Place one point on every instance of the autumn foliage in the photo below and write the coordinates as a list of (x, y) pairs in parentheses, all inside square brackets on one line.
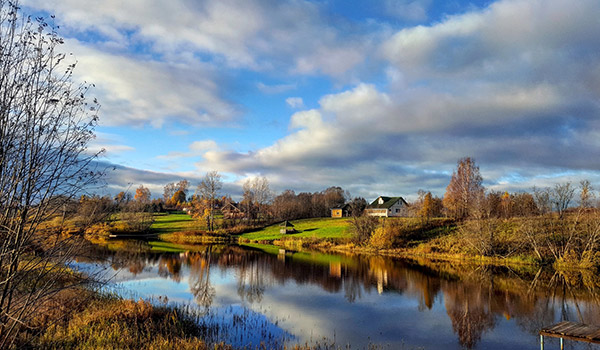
[(464, 190)]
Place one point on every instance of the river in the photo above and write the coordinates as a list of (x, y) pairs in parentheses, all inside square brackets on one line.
[(245, 295)]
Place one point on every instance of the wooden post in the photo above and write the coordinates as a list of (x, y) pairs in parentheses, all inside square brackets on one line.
[(541, 342), (562, 345)]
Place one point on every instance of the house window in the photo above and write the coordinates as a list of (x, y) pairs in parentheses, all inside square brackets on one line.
[(397, 210)]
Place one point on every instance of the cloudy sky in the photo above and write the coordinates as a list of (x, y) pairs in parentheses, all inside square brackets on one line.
[(376, 97)]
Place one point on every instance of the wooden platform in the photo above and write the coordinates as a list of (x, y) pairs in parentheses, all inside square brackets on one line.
[(574, 331)]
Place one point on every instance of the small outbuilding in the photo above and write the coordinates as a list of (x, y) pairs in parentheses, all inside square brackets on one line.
[(286, 227), (340, 212)]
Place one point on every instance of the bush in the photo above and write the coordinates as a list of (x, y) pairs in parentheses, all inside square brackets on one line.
[(363, 227), (383, 237)]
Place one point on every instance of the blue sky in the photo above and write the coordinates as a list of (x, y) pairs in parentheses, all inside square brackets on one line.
[(380, 98)]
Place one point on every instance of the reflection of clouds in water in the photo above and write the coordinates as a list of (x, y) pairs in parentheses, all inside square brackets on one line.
[(357, 300), (315, 314)]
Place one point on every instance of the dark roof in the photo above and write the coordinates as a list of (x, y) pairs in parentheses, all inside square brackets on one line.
[(387, 202), (286, 224), (233, 206), (343, 207)]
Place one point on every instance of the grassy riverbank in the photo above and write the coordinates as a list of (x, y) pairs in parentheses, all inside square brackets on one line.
[(107, 322), (569, 241)]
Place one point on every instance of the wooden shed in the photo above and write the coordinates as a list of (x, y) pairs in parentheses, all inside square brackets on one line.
[(340, 212)]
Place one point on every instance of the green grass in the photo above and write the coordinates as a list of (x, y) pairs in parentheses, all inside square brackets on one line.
[(318, 228), (173, 223), (167, 247)]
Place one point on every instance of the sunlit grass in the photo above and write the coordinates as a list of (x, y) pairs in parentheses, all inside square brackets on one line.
[(173, 223), (305, 228)]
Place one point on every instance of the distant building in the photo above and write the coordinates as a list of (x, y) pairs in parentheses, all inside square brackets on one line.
[(286, 227), (231, 211), (387, 206), (340, 212)]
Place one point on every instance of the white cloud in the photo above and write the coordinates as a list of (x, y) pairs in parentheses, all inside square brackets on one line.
[(255, 34), (295, 102), (275, 89), (138, 92), (516, 85), (203, 145), (195, 149), (111, 144), (411, 10)]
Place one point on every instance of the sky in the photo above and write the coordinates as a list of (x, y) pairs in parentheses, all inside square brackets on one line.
[(378, 97)]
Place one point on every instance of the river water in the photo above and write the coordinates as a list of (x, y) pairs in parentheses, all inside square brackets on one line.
[(245, 295)]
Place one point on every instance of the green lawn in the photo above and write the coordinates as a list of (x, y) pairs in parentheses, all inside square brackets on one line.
[(319, 228), (173, 223)]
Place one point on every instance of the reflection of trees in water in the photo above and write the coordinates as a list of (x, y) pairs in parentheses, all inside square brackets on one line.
[(565, 296), (251, 281), (170, 266), (352, 289), (475, 297), (470, 313), (199, 279)]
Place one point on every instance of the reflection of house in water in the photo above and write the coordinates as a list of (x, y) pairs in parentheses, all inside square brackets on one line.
[(476, 299), (335, 269), (382, 279)]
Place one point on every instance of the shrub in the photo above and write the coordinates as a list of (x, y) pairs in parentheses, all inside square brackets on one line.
[(383, 237), (363, 227)]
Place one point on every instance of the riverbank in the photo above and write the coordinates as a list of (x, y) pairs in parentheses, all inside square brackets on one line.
[(85, 318), (567, 242)]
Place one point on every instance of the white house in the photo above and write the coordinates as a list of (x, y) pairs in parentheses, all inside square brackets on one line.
[(387, 206)]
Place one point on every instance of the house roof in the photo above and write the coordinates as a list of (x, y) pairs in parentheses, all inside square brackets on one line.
[(231, 206), (286, 224), (387, 202)]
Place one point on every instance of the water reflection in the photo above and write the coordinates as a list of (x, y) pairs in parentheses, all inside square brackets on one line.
[(415, 303)]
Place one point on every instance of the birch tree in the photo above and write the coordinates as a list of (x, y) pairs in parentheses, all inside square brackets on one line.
[(464, 189), (208, 191)]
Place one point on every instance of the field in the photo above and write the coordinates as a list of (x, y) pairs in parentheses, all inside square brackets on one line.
[(305, 228), (169, 223)]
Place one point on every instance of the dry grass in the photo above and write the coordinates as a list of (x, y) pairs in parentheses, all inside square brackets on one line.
[(113, 323)]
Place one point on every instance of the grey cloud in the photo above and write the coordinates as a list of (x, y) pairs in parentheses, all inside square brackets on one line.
[(514, 85), (120, 178)]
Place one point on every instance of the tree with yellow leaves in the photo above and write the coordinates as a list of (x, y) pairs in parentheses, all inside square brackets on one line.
[(142, 195), (464, 190), (427, 207)]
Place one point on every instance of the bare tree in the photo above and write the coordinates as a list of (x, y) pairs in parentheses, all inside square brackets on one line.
[(183, 186), (169, 191), (562, 195), (357, 206), (46, 122), (257, 194), (586, 194), (542, 199), (364, 226), (208, 191)]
